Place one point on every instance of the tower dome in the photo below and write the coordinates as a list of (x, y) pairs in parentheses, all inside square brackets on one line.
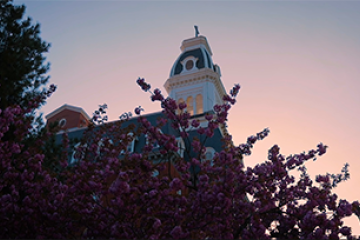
[(196, 54)]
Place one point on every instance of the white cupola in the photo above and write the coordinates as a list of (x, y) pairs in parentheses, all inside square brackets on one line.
[(194, 78)]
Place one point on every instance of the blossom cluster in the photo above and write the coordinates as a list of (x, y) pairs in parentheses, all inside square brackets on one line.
[(110, 192)]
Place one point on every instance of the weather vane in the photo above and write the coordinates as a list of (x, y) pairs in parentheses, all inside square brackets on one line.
[(196, 31)]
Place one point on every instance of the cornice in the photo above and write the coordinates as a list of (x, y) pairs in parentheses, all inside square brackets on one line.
[(203, 75), (196, 41)]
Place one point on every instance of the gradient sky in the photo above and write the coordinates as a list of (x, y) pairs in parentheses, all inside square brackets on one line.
[(297, 63)]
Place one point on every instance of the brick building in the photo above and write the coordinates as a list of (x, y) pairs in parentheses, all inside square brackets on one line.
[(193, 79)]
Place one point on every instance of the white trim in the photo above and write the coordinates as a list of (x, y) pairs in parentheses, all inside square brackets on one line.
[(193, 69), (181, 145), (202, 75), (68, 107), (200, 40), (194, 47), (62, 122)]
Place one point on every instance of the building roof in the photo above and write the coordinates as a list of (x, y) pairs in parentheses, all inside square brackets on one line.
[(68, 107)]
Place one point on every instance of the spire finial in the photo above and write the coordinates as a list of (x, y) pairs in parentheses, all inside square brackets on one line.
[(196, 31)]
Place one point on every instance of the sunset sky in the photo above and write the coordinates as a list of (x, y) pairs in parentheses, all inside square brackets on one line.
[(297, 63)]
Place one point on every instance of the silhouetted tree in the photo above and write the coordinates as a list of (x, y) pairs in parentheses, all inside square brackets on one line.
[(23, 68)]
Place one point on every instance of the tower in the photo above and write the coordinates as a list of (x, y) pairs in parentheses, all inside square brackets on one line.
[(194, 78)]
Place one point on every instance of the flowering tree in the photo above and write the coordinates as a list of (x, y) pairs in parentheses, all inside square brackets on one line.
[(109, 192), (99, 189)]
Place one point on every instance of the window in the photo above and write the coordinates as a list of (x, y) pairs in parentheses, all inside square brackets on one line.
[(62, 122), (154, 141), (199, 104), (102, 143), (78, 153), (189, 65), (131, 143), (190, 107)]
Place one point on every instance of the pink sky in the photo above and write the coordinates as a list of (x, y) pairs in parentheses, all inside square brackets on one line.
[(297, 63)]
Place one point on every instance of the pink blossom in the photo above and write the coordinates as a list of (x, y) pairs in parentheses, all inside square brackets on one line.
[(209, 117), (321, 149), (108, 196), (217, 108), (182, 105), (138, 110), (195, 123), (176, 232), (157, 224), (201, 130)]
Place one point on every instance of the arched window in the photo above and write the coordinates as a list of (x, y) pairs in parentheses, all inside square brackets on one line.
[(62, 122), (130, 143), (102, 144), (78, 153), (150, 138), (199, 104), (190, 107)]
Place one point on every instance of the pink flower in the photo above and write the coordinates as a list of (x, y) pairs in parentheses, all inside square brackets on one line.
[(209, 117), (217, 108), (138, 110), (152, 193), (184, 135), (175, 184), (176, 232), (345, 231), (209, 133), (157, 95), (321, 149), (235, 90), (196, 145), (157, 224), (195, 161), (201, 130), (204, 178), (144, 86), (195, 123), (182, 105)]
